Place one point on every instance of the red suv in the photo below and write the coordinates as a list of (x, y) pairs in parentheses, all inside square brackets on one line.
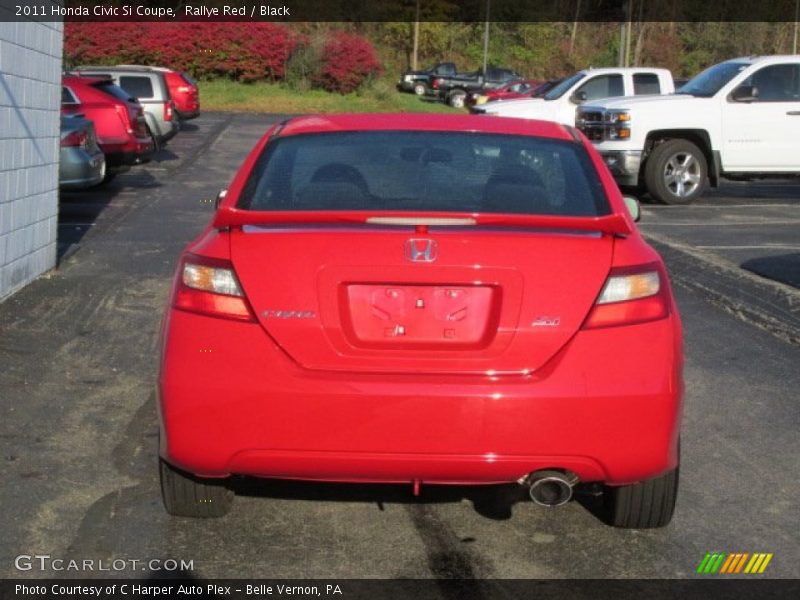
[(185, 94), (118, 119)]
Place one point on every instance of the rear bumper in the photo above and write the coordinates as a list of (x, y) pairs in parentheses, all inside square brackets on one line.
[(79, 169), (116, 160), (185, 115), (607, 407), (136, 151)]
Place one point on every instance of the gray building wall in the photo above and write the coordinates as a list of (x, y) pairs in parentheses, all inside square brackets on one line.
[(30, 99)]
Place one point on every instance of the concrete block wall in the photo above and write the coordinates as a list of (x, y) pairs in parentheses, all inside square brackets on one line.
[(30, 99)]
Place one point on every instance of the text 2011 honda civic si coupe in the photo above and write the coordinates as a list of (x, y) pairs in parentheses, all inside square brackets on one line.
[(427, 300)]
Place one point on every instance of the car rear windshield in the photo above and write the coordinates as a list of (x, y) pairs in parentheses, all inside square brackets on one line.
[(115, 91), (189, 79), (425, 171)]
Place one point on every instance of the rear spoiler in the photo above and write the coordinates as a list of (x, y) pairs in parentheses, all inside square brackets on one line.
[(228, 216)]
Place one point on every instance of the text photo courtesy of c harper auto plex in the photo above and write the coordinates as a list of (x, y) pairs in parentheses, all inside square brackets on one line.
[(411, 298)]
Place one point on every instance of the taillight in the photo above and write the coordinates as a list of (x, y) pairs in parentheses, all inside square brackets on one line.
[(184, 89), (210, 287), (435, 84), (168, 111), (140, 123), (75, 139), (122, 113), (630, 295)]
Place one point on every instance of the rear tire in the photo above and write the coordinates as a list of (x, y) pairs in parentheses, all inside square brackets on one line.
[(676, 172), (186, 495), (107, 178), (419, 89), (457, 99), (645, 505)]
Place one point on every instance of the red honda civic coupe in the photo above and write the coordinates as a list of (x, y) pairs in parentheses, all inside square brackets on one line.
[(425, 300)]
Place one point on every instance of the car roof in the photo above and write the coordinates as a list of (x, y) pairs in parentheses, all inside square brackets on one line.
[(772, 58), (595, 70), (423, 122), (131, 68), (73, 78), (146, 68)]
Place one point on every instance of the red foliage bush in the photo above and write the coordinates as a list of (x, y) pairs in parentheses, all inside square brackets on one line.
[(247, 51), (102, 43), (243, 51), (347, 61)]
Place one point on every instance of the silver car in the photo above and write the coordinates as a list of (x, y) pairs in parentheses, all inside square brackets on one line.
[(150, 88), (81, 163)]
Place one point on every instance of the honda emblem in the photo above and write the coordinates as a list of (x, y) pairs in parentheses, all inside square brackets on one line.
[(421, 250)]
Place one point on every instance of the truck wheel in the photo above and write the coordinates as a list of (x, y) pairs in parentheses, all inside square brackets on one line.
[(419, 89), (185, 495), (676, 172), (646, 504), (456, 99)]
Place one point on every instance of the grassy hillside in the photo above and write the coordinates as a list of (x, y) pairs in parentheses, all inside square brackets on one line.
[(224, 95)]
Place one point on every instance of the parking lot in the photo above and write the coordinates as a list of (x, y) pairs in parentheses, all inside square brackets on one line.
[(78, 429), (751, 225)]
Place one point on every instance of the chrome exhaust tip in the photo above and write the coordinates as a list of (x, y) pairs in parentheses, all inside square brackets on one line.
[(551, 488)]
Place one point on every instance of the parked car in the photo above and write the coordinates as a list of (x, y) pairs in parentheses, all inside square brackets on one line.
[(81, 162), (537, 92), (739, 119), (428, 299), (183, 90), (455, 89), (150, 88), (418, 82), (118, 120), (524, 88), (560, 103)]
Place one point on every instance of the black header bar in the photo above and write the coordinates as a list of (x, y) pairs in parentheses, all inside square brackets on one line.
[(399, 10)]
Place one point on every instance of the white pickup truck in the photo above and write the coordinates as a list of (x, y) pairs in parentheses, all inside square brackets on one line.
[(739, 119), (560, 103)]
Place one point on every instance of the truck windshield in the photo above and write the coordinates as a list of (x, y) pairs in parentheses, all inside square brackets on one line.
[(710, 81), (425, 171), (560, 89)]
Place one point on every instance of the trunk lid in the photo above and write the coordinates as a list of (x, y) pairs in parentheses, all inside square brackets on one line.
[(340, 297)]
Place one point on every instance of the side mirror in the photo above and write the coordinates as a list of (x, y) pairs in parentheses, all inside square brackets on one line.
[(578, 98), (745, 93), (632, 204), (220, 198)]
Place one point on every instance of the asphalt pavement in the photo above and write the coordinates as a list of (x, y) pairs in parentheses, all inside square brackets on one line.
[(78, 429), (754, 226)]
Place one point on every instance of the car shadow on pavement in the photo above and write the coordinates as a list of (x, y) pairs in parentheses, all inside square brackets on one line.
[(491, 501), (784, 268), (164, 155), (776, 189)]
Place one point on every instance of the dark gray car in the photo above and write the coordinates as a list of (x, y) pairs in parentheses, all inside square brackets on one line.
[(150, 88), (81, 163)]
